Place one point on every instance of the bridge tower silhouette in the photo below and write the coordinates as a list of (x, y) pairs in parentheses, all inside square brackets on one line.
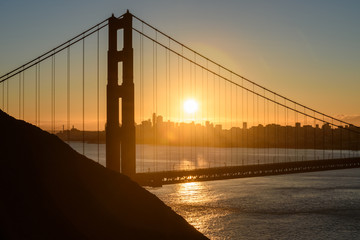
[(120, 141)]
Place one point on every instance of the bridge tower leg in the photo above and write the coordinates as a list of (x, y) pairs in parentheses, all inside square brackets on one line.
[(120, 140)]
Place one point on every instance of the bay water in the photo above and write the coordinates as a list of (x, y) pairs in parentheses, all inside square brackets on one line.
[(317, 205)]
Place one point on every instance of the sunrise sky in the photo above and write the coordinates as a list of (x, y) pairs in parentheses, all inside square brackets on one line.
[(306, 50)]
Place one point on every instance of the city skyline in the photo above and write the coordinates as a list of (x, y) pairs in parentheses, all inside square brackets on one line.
[(156, 131)]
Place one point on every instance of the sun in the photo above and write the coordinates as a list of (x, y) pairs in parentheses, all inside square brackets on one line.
[(190, 106)]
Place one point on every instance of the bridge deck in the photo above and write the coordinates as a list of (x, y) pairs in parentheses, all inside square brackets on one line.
[(209, 174)]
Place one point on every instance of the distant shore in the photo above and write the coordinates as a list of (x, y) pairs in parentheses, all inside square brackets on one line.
[(269, 136)]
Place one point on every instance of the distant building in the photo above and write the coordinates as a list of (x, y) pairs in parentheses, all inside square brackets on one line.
[(159, 119), (146, 124), (326, 126), (154, 119), (218, 127)]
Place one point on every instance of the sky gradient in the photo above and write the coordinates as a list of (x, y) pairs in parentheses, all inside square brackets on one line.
[(307, 50)]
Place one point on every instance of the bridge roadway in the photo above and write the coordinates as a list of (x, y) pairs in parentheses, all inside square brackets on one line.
[(157, 179)]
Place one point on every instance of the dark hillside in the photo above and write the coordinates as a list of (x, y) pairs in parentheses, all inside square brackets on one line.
[(49, 191)]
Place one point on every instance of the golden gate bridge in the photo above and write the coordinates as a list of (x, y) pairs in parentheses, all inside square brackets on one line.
[(235, 127)]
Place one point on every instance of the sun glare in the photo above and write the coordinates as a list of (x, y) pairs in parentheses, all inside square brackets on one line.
[(190, 106)]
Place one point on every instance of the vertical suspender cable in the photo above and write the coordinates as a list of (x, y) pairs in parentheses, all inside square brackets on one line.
[(341, 141), (23, 95), (98, 92), (20, 95), (36, 94), (202, 114), (39, 93), (3, 98), (154, 96), (68, 94), (54, 97), (324, 133), (214, 120), (306, 135), (192, 130), (332, 138), (231, 122), (237, 125), (349, 138), (275, 130), (36, 74), (279, 144), (296, 134), (268, 130), (256, 129), (182, 97), (247, 129), (242, 120), (52, 93), (349, 146), (83, 95), (171, 128), (178, 113), (143, 95), (167, 99), (225, 125), (314, 136), (166, 111), (179, 110), (7, 97), (357, 143), (195, 142), (156, 105), (286, 133), (207, 112), (219, 119), (142, 128), (142, 90), (264, 132), (258, 132), (253, 124)]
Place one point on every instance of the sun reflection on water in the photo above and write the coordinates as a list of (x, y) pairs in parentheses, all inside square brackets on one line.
[(192, 192), (195, 202), (198, 202)]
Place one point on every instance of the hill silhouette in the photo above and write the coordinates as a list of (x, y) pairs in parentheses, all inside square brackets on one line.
[(49, 191)]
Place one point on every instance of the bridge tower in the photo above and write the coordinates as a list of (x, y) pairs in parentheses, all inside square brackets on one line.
[(120, 141)]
